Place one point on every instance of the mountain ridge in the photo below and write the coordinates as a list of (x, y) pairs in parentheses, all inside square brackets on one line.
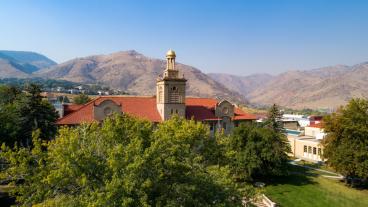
[(326, 87), (135, 73), (22, 63), (131, 71)]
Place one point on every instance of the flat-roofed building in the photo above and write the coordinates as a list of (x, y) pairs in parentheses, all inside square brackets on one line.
[(307, 145)]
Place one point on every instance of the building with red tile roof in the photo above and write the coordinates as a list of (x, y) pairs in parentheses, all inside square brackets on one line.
[(170, 99), (199, 109)]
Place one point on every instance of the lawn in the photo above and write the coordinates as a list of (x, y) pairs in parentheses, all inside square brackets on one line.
[(307, 188)]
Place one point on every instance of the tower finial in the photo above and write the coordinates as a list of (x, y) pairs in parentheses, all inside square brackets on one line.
[(170, 60), (170, 53)]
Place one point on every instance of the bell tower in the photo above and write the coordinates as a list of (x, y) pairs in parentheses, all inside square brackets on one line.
[(170, 90)]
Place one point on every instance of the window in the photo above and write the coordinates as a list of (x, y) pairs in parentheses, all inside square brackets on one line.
[(224, 125), (314, 150), (176, 111), (174, 95), (319, 151), (160, 97), (305, 148), (309, 149), (172, 111), (211, 126)]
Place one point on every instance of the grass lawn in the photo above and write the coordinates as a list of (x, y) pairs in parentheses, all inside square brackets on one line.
[(315, 165), (307, 188)]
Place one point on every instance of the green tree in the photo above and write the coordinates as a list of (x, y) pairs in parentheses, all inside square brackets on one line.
[(8, 94), (9, 118), (9, 124), (35, 114), (274, 119), (23, 112), (122, 162), (346, 143), (81, 99), (256, 152)]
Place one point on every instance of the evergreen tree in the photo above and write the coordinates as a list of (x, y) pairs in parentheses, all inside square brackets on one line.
[(9, 116), (36, 114), (274, 119), (23, 112)]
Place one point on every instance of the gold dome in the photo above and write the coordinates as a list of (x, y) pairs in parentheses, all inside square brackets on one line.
[(170, 53)]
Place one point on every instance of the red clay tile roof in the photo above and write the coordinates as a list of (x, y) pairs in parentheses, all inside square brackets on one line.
[(145, 107), (69, 108), (200, 108)]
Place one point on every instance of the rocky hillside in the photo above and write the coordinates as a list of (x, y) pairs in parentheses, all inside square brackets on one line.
[(19, 64), (327, 87), (242, 84), (133, 72)]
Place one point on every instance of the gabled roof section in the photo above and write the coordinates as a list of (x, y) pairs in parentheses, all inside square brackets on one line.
[(200, 108), (70, 108), (204, 109), (142, 107)]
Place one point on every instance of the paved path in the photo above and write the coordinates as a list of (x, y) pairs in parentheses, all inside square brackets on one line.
[(333, 176)]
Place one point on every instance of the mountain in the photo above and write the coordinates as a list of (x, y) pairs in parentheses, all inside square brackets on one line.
[(327, 87), (130, 71), (20, 63), (242, 84), (135, 73)]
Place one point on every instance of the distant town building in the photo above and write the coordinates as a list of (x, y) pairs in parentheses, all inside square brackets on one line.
[(295, 121), (170, 99)]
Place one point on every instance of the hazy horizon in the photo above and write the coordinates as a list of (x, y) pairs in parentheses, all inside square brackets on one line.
[(234, 37)]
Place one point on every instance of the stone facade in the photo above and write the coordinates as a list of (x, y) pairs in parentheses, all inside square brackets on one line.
[(104, 109), (170, 90), (225, 111)]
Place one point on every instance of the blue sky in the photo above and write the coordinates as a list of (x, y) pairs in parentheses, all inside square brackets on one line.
[(235, 36)]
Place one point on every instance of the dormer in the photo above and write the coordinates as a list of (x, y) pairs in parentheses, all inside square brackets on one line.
[(106, 108), (224, 109)]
